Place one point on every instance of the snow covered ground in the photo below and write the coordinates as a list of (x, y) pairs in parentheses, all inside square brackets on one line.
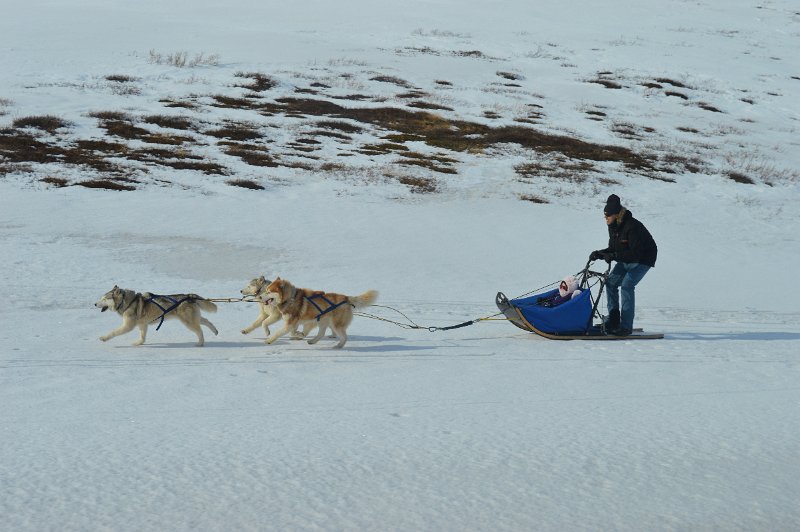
[(480, 428)]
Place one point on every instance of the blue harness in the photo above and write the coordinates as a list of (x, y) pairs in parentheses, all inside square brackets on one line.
[(165, 311), (331, 305)]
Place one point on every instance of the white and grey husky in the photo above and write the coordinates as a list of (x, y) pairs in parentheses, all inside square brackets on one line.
[(142, 309)]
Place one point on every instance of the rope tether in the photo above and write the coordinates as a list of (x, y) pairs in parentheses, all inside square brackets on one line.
[(412, 325), (230, 300), (409, 325)]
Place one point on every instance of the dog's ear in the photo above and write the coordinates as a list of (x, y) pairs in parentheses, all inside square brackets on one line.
[(262, 279)]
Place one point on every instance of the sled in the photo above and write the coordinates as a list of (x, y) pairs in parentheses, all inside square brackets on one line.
[(571, 320)]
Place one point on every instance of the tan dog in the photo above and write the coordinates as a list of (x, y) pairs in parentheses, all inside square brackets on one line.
[(268, 313), (301, 305), (140, 310)]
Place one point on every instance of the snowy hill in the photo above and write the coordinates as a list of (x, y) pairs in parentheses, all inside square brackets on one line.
[(437, 152)]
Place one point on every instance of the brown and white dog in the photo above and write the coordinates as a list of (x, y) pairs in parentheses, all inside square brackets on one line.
[(326, 309), (268, 314)]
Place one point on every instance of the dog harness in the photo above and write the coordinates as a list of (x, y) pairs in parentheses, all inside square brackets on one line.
[(164, 311), (331, 305)]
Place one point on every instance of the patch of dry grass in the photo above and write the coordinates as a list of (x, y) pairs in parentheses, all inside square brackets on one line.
[(708, 107), (533, 198), (672, 82), (251, 154), (121, 78), (182, 104), (470, 137), (752, 169), (676, 94), (55, 181), (555, 167), (19, 147), (258, 82), (739, 177), (419, 185), (431, 106), (382, 149), (245, 183), (106, 184), (512, 76), (564, 156), (236, 131), (47, 123), (393, 80), (170, 122), (607, 83), (182, 59), (123, 126)]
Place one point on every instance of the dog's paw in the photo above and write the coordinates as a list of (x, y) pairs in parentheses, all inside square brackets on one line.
[(245, 331), (137, 343), (104, 338)]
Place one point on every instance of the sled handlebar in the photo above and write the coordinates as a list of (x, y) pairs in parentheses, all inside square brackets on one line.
[(586, 273)]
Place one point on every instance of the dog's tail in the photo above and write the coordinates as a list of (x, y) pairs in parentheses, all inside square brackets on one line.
[(206, 305), (364, 300)]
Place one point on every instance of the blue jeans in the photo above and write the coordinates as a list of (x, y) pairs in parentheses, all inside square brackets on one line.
[(624, 276)]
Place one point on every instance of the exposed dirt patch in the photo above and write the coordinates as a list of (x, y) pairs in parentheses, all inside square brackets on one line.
[(390, 135)]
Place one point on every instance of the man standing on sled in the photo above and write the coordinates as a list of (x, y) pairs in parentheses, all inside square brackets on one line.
[(634, 250)]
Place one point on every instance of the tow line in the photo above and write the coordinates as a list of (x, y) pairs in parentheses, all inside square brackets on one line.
[(412, 325), (409, 325)]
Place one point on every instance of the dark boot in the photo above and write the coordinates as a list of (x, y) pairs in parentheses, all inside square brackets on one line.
[(619, 331), (612, 320)]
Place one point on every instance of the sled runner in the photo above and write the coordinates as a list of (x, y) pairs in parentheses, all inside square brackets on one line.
[(570, 320)]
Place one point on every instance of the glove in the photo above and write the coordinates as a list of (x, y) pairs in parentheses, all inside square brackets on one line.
[(597, 254), (607, 256)]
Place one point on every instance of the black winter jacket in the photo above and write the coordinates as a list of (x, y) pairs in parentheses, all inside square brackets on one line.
[(630, 241)]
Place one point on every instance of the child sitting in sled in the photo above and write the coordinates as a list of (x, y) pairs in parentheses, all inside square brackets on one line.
[(567, 289)]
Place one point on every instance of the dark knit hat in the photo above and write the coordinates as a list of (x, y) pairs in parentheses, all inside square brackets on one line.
[(613, 206)]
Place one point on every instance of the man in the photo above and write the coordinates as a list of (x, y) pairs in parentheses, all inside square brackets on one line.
[(634, 250)]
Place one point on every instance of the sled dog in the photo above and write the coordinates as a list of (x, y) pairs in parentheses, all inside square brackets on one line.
[(268, 313), (326, 309), (142, 309)]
